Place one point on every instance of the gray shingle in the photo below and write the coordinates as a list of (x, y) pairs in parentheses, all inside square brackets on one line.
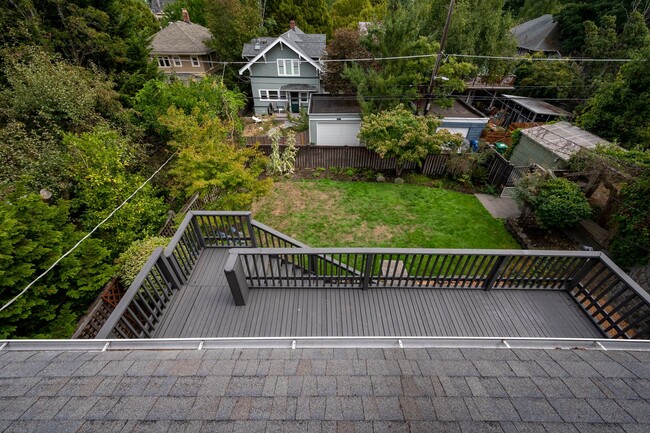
[(575, 410), (450, 408), (610, 411), (552, 387), (11, 408), (520, 387), (535, 410), (638, 409), (18, 386), (171, 408), (491, 409), (131, 408), (242, 409), (44, 408), (76, 408), (181, 38)]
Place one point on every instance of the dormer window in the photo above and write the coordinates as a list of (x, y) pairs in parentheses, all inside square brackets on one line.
[(288, 67)]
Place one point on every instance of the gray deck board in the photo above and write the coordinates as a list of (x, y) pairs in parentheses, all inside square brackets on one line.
[(205, 308)]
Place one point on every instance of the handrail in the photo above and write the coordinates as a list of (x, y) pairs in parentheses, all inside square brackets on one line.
[(618, 306), (142, 306)]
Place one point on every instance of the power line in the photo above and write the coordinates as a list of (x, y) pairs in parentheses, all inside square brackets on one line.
[(86, 236)]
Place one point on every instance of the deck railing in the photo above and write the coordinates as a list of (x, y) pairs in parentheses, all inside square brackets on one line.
[(142, 306), (614, 302)]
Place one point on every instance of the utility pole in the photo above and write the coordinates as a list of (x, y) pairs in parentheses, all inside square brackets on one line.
[(443, 40)]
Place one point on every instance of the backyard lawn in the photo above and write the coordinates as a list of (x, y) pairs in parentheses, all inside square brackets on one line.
[(326, 213)]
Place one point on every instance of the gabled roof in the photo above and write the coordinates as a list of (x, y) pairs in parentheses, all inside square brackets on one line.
[(540, 34), (310, 47), (181, 37)]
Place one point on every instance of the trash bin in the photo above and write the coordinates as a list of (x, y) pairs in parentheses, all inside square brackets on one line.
[(501, 147)]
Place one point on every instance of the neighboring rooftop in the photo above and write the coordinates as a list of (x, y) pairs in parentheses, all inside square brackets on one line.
[(459, 109), (325, 389), (540, 34), (563, 138), (538, 106), (343, 104), (310, 45), (181, 37)]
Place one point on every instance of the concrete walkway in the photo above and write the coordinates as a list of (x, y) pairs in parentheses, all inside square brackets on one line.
[(499, 207)]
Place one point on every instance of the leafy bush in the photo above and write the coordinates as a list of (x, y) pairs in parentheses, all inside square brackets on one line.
[(131, 261), (631, 243), (556, 203)]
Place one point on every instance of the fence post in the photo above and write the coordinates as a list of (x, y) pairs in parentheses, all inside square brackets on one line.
[(367, 272), (494, 272), (581, 273), (236, 279)]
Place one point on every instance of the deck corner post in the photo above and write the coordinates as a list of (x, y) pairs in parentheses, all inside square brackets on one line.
[(236, 279), (367, 272), (169, 273), (199, 234), (494, 273), (582, 272), (251, 233)]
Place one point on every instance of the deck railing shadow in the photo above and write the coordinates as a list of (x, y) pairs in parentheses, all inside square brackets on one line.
[(263, 258)]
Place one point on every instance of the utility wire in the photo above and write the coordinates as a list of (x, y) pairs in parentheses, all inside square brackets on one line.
[(87, 236)]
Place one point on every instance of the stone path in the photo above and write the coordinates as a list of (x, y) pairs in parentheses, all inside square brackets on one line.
[(499, 207)]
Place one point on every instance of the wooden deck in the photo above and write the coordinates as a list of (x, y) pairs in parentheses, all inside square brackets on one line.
[(205, 308)]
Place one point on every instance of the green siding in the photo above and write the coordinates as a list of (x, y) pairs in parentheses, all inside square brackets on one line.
[(530, 152)]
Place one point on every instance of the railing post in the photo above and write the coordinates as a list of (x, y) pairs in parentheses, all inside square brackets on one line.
[(236, 279), (168, 271), (313, 264), (494, 273), (199, 233), (250, 231), (587, 267), (367, 272)]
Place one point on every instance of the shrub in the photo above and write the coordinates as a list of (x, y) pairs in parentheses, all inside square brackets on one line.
[(131, 261), (556, 203), (631, 243)]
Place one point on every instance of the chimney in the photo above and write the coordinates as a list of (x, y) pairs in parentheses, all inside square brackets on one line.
[(292, 25), (186, 16)]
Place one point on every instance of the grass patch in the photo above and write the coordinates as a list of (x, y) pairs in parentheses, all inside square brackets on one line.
[(325, 213)]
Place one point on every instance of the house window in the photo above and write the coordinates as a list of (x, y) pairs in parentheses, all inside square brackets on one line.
[(272, 95), (288, 67), (195, 61), (177, 61), (164, 62)]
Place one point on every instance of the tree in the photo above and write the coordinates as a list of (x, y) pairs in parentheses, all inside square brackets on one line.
[(348, 13), (398, 133), (232, 23), (619, 110), (209, 96), (549, 80), (33, 235), (573, 14), (103, 165), (311, 16), (195, 8), (209, 164), (346, 44)]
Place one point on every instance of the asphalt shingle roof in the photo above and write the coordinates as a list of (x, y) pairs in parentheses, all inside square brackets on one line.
[(539, 34), (311, 45), (180, 37), (457, 390)]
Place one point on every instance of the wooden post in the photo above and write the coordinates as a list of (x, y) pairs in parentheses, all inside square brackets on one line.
[(199, 233), (494, 273), (370, 259), (236, 279)]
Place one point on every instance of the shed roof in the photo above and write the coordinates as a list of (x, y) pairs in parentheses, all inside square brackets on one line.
[(563, 138), (538, 106), (181, 37), (458, 110), (540, 34), (320, 389), (335, 104)]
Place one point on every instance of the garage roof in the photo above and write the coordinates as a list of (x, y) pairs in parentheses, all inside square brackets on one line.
[(335, 104)]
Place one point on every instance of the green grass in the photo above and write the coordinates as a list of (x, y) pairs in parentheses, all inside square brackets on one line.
[(327, 213)]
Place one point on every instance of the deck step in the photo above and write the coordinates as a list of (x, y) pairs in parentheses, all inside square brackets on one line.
[(508, 191)]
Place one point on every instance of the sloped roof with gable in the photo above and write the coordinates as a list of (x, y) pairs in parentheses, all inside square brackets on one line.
[(180, 37), (540, 34), (310, 47)]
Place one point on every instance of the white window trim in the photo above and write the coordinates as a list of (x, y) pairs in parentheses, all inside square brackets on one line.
[(195, 61), (177, 61), (285, 64), (265, 95), (164, 62)]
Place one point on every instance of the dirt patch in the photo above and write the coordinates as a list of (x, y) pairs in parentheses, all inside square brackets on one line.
[(535, 238), (362, 231)]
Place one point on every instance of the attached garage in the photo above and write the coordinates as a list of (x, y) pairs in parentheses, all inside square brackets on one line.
[(337, 133), (334, 120)]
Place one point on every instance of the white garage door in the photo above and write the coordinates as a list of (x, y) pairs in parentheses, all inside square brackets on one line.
[(337, 133)]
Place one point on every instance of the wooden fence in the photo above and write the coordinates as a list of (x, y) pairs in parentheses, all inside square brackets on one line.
[(302, 139)]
